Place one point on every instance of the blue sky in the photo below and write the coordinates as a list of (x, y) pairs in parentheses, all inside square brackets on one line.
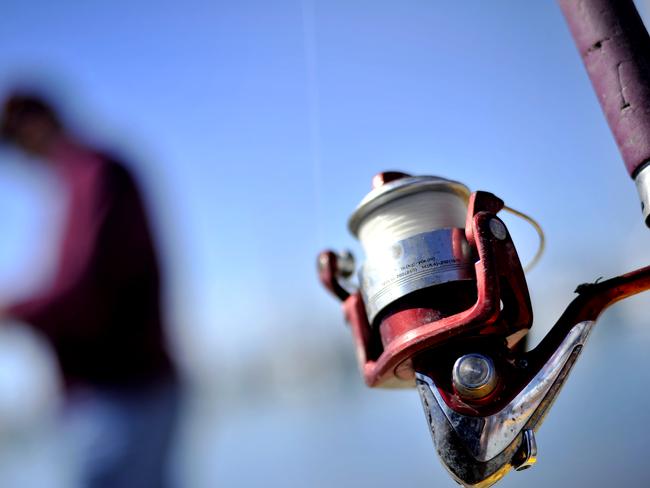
[(256, 127)]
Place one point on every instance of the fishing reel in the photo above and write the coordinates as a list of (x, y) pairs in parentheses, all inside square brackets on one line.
[(442, 304)]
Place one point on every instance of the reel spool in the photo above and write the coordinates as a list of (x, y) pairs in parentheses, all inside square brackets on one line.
[(411, 230)]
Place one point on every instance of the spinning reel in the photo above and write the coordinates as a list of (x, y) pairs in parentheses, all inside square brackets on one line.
[(442, 305)]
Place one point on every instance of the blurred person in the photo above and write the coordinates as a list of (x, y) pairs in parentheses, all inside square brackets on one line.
[(101, 312)]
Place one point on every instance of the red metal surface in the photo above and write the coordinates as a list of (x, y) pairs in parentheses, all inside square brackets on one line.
[(328, 274)]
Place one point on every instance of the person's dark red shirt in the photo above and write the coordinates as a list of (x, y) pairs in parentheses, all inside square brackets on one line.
[(102, 311)]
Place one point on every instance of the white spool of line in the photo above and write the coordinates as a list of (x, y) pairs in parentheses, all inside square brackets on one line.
[(409, 215)]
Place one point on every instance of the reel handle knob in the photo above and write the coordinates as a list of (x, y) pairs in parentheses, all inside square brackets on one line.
[(384, 177)]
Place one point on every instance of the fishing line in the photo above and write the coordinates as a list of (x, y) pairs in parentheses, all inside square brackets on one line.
[(313, 108), (413, 214), (540, 234)]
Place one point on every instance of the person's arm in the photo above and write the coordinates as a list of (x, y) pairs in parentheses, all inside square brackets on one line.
[(71, 305)]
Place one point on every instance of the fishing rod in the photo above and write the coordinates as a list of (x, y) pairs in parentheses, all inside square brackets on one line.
[(442, 302)]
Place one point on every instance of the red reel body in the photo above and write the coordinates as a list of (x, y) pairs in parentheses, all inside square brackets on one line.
[(459, 337)]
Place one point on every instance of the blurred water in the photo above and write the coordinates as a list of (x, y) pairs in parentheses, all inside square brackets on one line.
[(596, 435), (335, 432)]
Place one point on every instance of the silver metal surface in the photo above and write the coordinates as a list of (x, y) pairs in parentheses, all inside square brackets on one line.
[(486, 437), (498, 229), (345, 263), (421, 261), (400, 188), (527, 455), (474, 376), (642, 181)]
